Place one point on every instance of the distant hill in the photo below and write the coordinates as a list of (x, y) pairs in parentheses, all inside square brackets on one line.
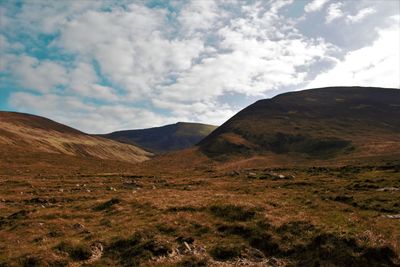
[(317, 123), (165, 138), (22, 134)]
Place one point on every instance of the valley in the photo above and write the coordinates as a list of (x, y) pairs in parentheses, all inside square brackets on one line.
[(282, 183)]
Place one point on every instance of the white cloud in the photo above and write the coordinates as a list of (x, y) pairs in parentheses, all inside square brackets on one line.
[(84, 81), (210, 111), (42, 76), (48, 16), (362, 14), (334, 12), (48, 76), (375, 65), (261, 55), (198, 15), (278, 4), (315, 5), (132, 47), (86, 116)]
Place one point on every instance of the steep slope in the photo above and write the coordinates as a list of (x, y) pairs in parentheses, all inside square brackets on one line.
[(24, 133), (166, 138), (317, 123)]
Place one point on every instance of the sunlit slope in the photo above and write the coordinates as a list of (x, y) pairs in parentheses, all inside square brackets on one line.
[(24, 133)]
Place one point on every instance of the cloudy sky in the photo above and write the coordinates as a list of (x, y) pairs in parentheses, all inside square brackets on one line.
[(101, 66)]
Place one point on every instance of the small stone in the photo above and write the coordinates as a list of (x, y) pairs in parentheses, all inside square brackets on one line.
[(78, 226), (234, 173), (187, 246), (252, 175), (385, 189), (395, 216)]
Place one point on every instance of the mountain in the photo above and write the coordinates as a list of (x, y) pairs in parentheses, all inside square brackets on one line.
[(165, 138), (317, 123), (22, 134)]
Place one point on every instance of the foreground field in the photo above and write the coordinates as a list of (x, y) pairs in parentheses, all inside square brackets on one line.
[(105, 214)]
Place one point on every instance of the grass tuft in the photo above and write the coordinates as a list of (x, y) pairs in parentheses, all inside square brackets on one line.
[(107, 205), (138, 248), (232, 212), (223, 252), (78, 252)]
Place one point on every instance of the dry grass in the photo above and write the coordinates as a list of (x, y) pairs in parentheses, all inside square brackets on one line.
[(167, 212)]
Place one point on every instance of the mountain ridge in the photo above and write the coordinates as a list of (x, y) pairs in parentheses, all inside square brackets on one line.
[(165, 138)]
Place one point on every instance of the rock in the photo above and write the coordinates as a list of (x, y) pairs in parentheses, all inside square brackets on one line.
[(234, 173), (78, 226), (252, 175), (187, 246), (97, 253), (394, 216), (386, 189)]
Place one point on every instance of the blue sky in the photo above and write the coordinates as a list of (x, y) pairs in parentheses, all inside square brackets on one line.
[(101, 66)]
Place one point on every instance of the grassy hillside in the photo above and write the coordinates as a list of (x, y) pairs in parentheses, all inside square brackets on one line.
[(166, 138), (22, 134), (318, 123)]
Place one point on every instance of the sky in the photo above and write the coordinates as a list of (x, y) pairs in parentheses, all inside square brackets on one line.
[(101, 66)]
